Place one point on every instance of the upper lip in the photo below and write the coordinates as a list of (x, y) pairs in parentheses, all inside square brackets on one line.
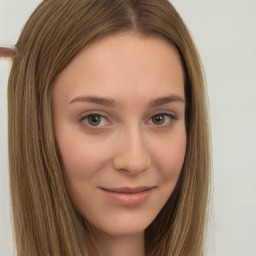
[(128, 190)]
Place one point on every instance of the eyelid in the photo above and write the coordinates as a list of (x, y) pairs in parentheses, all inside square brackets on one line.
[(92, 112)]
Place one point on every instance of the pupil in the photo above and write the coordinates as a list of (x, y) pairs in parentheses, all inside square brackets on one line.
[(159, 119), (94, 120)]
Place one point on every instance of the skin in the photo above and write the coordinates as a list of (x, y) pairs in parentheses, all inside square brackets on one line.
[(133, 143)]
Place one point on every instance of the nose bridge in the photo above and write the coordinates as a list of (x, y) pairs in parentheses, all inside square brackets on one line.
[(133, 155)]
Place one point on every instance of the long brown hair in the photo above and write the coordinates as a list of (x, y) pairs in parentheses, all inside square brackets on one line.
[(45, 219)]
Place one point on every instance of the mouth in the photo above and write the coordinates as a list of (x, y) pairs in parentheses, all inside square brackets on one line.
[(128, 190), (127, 196)]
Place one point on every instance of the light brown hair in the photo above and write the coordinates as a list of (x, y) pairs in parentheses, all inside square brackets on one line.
[(45, 219)]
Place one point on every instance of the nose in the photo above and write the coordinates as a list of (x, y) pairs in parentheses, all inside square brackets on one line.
[(132, 155)]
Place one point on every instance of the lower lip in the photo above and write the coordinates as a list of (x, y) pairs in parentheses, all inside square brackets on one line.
[(128, 199)]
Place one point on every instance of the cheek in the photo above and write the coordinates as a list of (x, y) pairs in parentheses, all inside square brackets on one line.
[(81, 155), (170, 158), (169, 161), (81, 165)]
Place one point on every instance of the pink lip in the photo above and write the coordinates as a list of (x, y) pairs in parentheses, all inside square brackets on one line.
[(128, 196)]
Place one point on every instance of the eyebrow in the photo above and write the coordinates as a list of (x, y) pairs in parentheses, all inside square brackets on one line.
[(166, 100), (98, 100), (111, 103)]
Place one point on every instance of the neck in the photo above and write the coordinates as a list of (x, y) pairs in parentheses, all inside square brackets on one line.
[(125, 245)]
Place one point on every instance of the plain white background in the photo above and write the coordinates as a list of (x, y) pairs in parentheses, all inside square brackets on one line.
[(225, 34)]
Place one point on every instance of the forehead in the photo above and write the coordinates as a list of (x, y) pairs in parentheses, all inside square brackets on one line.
[(126, 62)]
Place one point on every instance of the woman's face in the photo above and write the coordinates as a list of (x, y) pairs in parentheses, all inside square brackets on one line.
[(119, 120)]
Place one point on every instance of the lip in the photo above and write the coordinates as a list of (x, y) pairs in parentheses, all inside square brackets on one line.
[(128, 196)]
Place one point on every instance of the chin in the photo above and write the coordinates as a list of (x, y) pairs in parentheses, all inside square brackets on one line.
[(124, 224)]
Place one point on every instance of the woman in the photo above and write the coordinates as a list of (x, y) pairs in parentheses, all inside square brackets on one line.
[(108, 131)]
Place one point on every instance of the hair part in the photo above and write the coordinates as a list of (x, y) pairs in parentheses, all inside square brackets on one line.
[(45, 219)]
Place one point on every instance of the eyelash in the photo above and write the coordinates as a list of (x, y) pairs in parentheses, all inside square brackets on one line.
[(84, 120)]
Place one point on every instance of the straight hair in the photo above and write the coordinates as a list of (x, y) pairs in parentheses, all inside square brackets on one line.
[(45, 220)]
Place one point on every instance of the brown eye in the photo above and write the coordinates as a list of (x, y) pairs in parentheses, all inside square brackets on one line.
[(95, 120), (158, 119), (162, 119)]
